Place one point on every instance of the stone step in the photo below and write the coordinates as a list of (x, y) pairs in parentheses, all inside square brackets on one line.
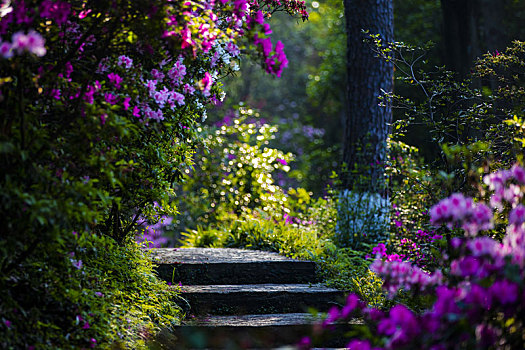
[(260, 298), (251, 332), (201, 266)]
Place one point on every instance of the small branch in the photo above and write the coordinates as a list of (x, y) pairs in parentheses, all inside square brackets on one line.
[(135, 219)]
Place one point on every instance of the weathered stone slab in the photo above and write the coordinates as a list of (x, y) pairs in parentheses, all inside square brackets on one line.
[(229, 266), (260, 298)]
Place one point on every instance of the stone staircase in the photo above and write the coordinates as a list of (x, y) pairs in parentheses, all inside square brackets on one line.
[(243, 299)]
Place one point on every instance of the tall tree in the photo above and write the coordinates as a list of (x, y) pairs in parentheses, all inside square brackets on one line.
[(363, 208), (366, 123)]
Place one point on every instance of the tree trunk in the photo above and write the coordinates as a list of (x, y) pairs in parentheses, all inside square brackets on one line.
[(460, 34), (493, 27), (366, 124), (362, 213)]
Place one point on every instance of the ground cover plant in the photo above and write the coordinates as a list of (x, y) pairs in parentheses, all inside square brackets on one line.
[(99, 104)]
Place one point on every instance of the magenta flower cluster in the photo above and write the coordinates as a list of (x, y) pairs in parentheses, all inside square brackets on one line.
[(403, 275), (506, 186), (480, 304), (414, 249), (459, 210), (208, 30), (32, 42)]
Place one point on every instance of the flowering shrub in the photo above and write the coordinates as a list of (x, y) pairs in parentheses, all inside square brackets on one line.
[(100, 101), (100, 116), (479, 303), (412, 189), (460, 138)]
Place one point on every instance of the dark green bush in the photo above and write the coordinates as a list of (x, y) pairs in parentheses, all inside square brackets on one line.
[(84, 290)]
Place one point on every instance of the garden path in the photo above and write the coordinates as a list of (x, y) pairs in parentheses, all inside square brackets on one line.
[(240, 299)]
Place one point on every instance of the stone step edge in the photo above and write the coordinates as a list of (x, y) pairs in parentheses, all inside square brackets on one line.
[(215, 255), (259, 320), (256, 288)]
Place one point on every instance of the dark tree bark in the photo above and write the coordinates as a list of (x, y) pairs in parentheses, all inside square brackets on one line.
[(366, 123), (460, 34), (493, 27)]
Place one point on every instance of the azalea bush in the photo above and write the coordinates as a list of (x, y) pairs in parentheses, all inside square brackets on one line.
[(478, 298), (470, 132), (413, 190), (99, 103)]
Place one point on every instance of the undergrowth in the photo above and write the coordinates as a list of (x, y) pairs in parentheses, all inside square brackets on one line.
[(90, 293)]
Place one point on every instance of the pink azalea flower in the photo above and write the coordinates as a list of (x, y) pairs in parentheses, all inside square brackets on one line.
[(115, 79), (6, 50), (89, 94), (188, 89), (110, 98), (125, 61), (177, 73), (356, 344), (157, 75), (136, 112), (31, 42), (207, 81), (518, 173), (56, 10), (517, 215), (126, 103), (504, 291)]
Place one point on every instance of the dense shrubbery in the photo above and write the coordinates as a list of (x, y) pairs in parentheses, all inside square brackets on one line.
[(99, 103), (233, 176)]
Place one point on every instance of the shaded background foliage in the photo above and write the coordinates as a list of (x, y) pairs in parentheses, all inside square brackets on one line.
[(312, 89)]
